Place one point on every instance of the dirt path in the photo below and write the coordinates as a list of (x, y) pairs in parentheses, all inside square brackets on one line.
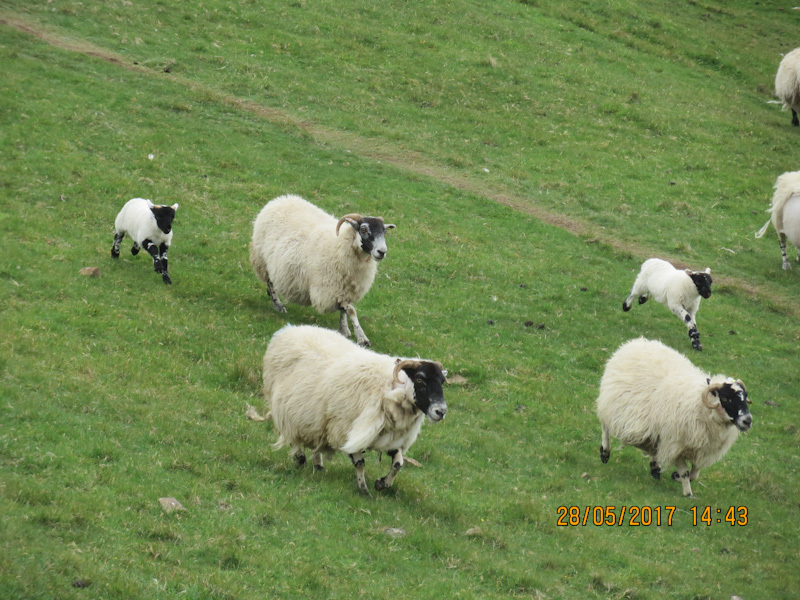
[(379, 151)]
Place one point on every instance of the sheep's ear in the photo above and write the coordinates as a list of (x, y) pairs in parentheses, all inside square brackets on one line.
[(390, 226), (688, 271), (708, 270), (175, 206)]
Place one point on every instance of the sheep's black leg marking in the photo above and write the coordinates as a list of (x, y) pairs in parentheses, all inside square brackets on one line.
[(115, 248), (135, 249), (683, 475), (795, 120), (358, 463), (782, 239), (643, 299), (299, 458), (655, 469), (152, 249), (162, 250), (694, 335), (276, 303), (397, 464)]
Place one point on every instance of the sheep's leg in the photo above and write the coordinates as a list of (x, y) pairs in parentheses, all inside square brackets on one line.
[(162, 251), (691, 325), (276, 303), (318, 463), (694, 473), (397, 464), (358, 463), (343, 328), (683, 475), (298, 456), (115, 248), (655, 468), (605, 445), (152, 250), (795, 120), (782, 239), (361, 338)]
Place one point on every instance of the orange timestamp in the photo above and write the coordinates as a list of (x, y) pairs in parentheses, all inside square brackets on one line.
[(645, 516)]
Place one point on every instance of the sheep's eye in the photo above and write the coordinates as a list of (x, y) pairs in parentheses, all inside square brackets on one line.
[(420, 379)]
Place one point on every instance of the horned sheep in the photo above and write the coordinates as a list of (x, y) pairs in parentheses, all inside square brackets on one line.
[(679, 290), (150, 226), (299, 251), (328, 394), (655, 399), (787, 83), (785, 214)]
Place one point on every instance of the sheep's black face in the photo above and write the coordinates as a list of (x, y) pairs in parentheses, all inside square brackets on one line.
[(428, 378), (372, 232), (702, 281), (733, 398), (164, 216)]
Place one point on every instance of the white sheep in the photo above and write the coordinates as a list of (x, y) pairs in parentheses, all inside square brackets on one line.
[(787, 83), (655, 399), (328, 394), (150, 226), (678, 289), (300, 253), (785, 214)]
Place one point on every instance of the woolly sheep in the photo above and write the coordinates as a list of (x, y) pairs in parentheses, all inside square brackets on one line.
[(328, 394), (150, 226), (300, 253), (787, 83), (655, 399), (785, 214), (679, 290)]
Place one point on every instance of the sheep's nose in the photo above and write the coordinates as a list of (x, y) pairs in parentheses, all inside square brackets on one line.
[(440, 412), (379, 254)]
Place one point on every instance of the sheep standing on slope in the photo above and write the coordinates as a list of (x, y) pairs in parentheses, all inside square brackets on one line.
[(150, 226), (328, 394), (785, 214), (679, 290), (787, 83), (655, 399), (300, 253)]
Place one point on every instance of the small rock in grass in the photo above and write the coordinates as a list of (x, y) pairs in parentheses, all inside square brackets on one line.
[(90, 271), (394, 532), (170, 504)]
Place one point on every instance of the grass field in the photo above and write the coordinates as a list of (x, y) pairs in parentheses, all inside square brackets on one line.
[(531, 153)]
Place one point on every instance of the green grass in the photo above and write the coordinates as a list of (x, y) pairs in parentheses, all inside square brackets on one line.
[(643, 127)]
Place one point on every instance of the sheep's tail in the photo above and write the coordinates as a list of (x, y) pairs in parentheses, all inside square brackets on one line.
[(760, 233)]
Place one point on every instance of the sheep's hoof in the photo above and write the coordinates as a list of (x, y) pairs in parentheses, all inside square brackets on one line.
[(114, 253), (165, 276), (626, 307), (364, 343), (380, 484), (135, 250), (299, 460), (787, 266), (697, 345), (364, 490), (604, 454), (642, 299), (655, 471), (319, 468), (279, 307)]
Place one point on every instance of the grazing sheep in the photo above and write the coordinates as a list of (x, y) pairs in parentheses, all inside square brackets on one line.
[(328, 394), (785, 214), (299, 252), (150, 226), (787, 83), (655, 399), (679, 290)]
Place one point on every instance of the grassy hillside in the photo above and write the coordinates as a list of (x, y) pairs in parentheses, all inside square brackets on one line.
[(531, 154)]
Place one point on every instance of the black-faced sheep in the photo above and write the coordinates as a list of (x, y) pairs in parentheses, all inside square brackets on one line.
[(328, 394), (299, 251), (787, 83), (150, 226), (679, 290), (655, 399), (785, 214)]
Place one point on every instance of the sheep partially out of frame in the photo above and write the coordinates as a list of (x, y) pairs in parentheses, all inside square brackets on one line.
[(150, 226), (304, 255), (655, 399), (679, 290), (328, 394), (787, 84), (785, 214)]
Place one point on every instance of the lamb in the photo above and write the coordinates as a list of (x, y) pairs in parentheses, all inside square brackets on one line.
[(787, 83), (150, 226), (655, 399), (679, 290), (328, 394), (297, 250), (785, 214)]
